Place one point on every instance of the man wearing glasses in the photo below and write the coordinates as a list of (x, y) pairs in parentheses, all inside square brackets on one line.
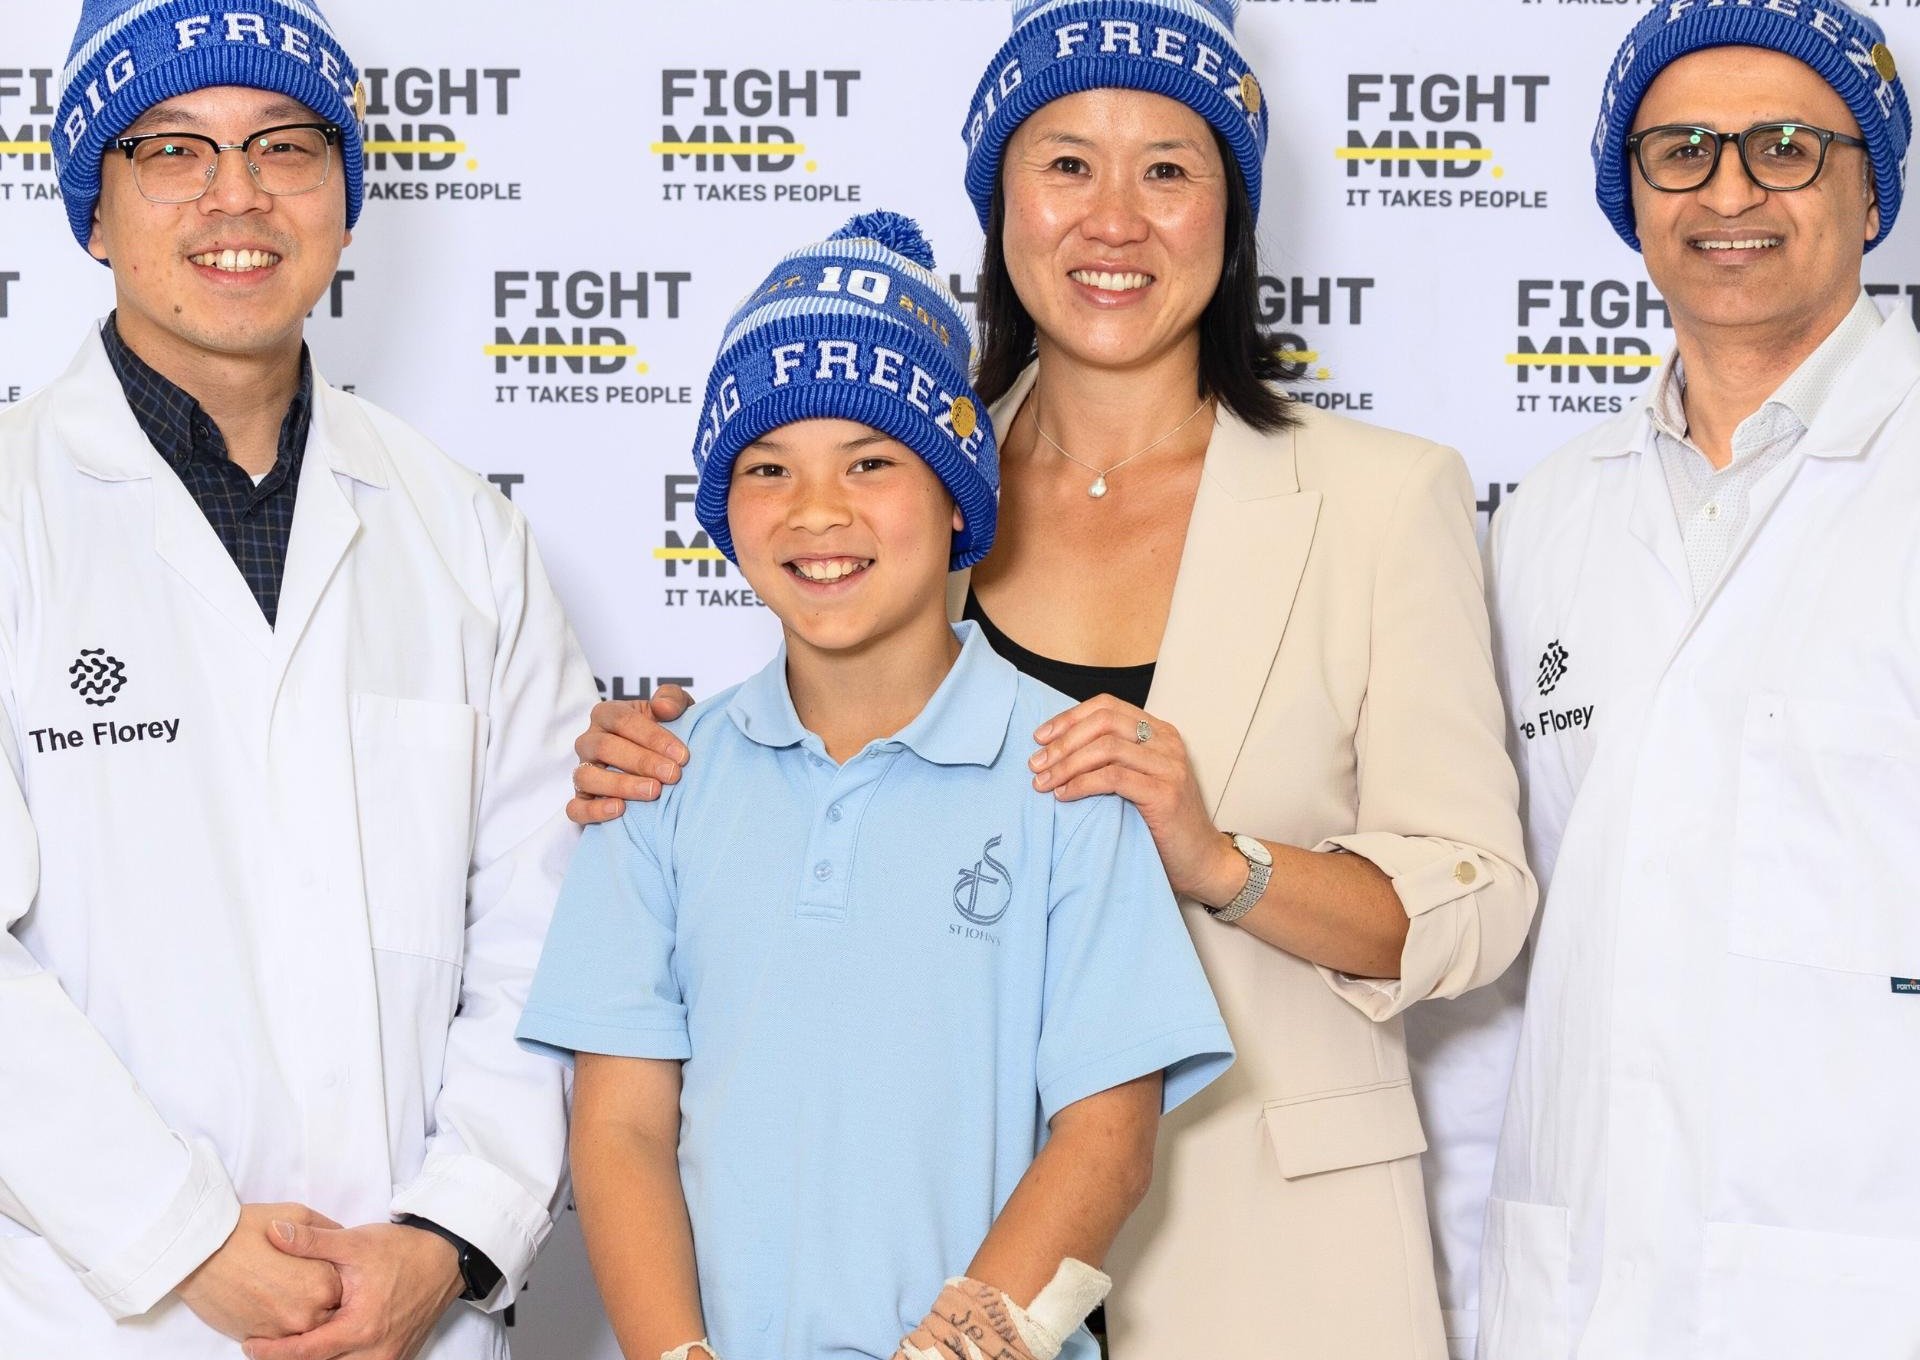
[(1708, 613), (284, 699)]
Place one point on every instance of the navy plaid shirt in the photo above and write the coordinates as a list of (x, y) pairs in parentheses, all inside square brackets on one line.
[(253, 522)]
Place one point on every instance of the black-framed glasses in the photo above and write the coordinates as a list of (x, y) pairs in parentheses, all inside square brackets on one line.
[(178, 167), (1781, 157)]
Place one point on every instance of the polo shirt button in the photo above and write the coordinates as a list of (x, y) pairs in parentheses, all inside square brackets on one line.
[(833, 813), (823, 871)]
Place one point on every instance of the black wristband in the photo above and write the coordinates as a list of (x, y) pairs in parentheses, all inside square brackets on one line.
[(479, 1275)]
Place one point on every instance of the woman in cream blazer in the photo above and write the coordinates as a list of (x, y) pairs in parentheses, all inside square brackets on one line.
[(1325, 661), (1300, 597)]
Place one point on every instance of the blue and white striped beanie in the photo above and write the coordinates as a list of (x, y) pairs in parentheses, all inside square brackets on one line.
[(1848, 50), (854, 328), (1183, 49), (129, 55)]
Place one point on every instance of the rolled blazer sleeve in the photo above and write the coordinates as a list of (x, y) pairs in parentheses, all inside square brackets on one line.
[(1438, 801)]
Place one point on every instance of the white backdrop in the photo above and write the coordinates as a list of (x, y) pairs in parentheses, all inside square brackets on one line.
[(524, 199)]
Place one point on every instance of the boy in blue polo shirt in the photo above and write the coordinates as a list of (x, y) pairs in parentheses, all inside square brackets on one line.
[(856, 1012)]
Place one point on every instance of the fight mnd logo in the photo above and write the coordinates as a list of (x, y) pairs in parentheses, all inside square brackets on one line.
[(1292, 309), (423, 131), (570, 333), (1581, 334), (1425, 140), (748, 135), (27, 101)]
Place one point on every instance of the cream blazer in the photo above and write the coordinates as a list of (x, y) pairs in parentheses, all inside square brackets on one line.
[(1327, 661)]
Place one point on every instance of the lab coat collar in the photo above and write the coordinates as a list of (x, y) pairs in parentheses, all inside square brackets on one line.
[(104, 441), (1872, 388)]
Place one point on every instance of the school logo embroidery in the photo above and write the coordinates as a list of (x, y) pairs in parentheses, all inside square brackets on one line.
[(97, 677), (983, 893), (1553, 667)]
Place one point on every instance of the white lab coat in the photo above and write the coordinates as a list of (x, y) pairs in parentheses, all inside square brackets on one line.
[(272, 924), (1712, 1144)]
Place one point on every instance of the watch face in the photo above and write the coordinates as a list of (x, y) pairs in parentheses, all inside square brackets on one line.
[(1253, 850)]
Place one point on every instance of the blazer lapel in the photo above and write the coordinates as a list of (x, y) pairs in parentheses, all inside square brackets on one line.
[(1246, 550)]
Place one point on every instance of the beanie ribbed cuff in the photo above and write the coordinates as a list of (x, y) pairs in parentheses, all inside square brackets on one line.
[(1845, 48), (1181, 49), (126, 58)]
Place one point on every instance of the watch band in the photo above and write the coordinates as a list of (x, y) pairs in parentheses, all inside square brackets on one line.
[(1259, 870), (478, 1275)]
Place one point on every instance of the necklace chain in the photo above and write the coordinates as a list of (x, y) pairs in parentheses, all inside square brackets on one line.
[(1099, 487)]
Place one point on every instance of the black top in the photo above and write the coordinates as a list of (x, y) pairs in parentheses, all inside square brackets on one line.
[(254, 523), (1129, 684)]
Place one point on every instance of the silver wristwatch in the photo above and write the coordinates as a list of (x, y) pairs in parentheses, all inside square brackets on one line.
[(1259, 870)]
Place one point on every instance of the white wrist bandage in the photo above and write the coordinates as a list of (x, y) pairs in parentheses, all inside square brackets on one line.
[(686, 1352), (1056, 1313)]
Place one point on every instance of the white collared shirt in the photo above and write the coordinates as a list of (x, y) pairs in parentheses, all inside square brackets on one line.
[(1713, 504)]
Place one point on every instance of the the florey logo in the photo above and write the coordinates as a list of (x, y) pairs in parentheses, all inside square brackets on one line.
[(1553, 667), (97, 677), (983, 893)]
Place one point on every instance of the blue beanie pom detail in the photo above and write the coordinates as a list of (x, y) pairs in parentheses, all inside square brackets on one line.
[(1845, 48), (895, 231), (857, 327), (1183, 49)]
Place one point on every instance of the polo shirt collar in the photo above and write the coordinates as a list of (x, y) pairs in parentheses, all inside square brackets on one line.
[(964, 723)]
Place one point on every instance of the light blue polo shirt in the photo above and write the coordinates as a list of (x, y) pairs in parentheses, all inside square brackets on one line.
[(884, 978)]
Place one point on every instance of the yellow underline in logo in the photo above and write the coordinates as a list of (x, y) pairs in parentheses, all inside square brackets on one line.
[(410, 148), (561, 351), (729, 148), (688, 555), (1584, 360), (1297, 356), (26, 148), (1412, 153)]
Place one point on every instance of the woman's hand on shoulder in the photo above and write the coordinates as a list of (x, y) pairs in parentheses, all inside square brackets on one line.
[(626, 755), (1106, 746)]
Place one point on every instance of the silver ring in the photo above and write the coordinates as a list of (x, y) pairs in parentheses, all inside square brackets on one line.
[(1143, 732)]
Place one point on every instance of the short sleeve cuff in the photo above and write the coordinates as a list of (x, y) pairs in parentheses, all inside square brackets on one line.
[(557, 1035), (1191, 1056)]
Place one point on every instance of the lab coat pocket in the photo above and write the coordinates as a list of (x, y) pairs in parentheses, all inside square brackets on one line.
[(1780, 1294), (1523, 1285), (416, 773), (1824, 853)]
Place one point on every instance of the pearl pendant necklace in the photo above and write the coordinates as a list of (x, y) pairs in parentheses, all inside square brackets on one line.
[(1099, 488)]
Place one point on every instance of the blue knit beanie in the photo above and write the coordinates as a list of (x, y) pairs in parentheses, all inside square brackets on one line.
[(129, 55), (1183, 49), (1848, 50), (854, 328)]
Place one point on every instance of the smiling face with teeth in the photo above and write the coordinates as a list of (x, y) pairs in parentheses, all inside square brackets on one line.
[(1115, 227), (845, 534), (1731, 255), (232, 275)]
